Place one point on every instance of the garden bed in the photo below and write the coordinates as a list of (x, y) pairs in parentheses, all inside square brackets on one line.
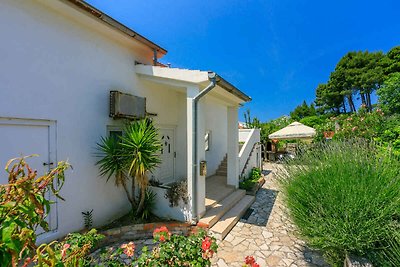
[(253, 183), (141, 231), (256, 187)]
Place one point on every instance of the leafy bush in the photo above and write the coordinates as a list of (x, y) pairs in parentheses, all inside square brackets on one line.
[(177, 192), (177, 250), (249, 183), (343, 196), (255, 173), (171, 250), (24, 208)]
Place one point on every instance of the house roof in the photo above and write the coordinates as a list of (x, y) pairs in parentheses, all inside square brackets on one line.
[(99, 15), (295, 130), (190, 76)]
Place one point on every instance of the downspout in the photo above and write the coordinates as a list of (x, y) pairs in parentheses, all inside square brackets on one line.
[(212, 76)]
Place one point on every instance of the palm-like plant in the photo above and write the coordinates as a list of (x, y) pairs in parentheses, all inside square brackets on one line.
[(113, 164), (140, 147), (131, 156)]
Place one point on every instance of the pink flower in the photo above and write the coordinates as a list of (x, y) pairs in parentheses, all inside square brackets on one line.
[(354, 128), (129, 249), (64, 250)]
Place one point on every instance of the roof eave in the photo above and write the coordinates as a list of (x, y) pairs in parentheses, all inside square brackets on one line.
[(232, 89), (97, 14)]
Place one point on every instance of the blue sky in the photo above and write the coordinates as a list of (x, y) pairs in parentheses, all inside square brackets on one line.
[(277, 51)]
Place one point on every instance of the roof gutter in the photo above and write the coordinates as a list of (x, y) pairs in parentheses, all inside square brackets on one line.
[(232, 89), (212, 77), (94, 12)]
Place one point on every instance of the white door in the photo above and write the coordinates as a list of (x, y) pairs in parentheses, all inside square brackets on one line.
[(27, 137), (165, 172)]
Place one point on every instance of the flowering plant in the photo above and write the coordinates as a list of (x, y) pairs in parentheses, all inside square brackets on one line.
[(250, 262), (161, 234), (177, 250)]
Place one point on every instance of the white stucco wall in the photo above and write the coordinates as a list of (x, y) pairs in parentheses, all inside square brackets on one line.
[(250, 152), (215, 113), (57, 68)]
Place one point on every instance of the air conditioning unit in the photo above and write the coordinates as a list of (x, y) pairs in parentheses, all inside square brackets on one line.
[(127, 106)]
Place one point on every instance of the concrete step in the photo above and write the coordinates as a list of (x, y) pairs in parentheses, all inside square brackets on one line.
[(222, 168), (222, 173), (229, 220), (218, 195), (223, 164), (220, 208)]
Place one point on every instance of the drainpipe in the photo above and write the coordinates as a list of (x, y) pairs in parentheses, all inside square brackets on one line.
[(212, 76)]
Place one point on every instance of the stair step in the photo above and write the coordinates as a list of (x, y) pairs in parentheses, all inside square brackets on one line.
[(220, 208), (223, 168), (221, 173), (223, 164), (229, 220), (218, 196)]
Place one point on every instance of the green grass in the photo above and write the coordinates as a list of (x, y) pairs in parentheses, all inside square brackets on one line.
[(344, 197)]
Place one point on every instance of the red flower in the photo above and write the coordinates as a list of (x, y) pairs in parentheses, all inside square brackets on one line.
[(161, 233), (206, 244), (255, 265), (250, 260)]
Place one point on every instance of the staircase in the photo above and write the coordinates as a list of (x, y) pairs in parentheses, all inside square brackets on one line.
[(223, 167), (244, 171), (225, 205)]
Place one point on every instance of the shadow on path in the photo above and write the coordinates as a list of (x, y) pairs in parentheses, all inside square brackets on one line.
[(261, 208)]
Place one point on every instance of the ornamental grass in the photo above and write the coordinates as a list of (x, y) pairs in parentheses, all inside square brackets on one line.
[(344, 198)]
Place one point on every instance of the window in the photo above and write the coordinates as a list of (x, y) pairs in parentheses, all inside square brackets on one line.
[(114, 131), (207, 140)]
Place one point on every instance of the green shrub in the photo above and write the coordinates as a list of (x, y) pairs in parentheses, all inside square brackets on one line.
[(255, 173), (249, 183), (149, 203), (389, 254), (196, 249), (343, 197)]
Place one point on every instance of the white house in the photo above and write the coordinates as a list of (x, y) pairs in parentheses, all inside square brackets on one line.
[(59, 60)]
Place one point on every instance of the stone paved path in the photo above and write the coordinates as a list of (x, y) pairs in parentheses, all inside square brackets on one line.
[(267, 234)]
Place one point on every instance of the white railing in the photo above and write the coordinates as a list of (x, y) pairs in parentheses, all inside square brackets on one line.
[(250, 137)]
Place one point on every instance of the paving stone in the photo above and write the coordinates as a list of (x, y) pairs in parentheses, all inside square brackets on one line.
[(268, 234)]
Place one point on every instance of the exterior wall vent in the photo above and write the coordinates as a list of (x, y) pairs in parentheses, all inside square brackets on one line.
[(127, 106)]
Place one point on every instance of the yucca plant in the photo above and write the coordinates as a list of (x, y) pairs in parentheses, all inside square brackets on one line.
[(113, 164), (130, 157), (141, 147)]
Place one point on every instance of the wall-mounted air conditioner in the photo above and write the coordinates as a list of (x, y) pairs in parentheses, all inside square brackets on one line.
[(127, 106)]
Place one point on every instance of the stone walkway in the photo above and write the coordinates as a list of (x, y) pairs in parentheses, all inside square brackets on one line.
[(267, 234)]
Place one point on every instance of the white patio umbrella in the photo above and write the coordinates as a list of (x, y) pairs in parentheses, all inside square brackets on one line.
[(295, 130)]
